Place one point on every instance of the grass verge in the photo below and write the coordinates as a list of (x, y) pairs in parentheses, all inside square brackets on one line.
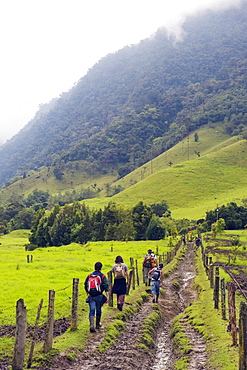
[(208, 322)]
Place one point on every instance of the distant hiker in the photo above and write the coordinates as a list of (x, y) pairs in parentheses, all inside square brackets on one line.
[(148, 263), (121, 280), (157, 276), (183, 239), (95, 284), (198, 241)]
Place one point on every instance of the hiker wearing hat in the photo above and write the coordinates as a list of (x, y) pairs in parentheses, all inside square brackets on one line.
[(149, 262), (157, 277)]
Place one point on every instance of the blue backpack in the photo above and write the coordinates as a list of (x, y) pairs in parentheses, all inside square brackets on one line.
[(156, 274)]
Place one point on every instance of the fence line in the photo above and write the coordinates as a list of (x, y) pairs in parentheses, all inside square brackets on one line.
[(18, 358), (237, 333)]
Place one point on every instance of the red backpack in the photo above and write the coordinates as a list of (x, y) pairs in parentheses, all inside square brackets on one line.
[(94, 284)]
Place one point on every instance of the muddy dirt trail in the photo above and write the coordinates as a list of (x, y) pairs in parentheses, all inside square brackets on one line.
[(126, 355)]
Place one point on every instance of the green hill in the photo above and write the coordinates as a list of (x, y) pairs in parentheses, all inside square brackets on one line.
[(139, 102), (190, 187), (193, 176)]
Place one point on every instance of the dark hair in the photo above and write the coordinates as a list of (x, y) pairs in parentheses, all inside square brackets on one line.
[(161, 265), (98, 266), (150, 251), (119, 259)]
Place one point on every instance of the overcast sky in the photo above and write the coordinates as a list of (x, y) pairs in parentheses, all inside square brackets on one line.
[(48, 45)]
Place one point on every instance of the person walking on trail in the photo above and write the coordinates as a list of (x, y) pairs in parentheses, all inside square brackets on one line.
[(121, 281), (157, 276), (95, 284), (149, 262), (198, 241), (183, 239)]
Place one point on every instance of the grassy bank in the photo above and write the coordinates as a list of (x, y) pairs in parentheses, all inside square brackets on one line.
[(207, 321)]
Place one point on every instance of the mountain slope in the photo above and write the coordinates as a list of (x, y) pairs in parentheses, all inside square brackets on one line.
[(141, 100), (191, 187)]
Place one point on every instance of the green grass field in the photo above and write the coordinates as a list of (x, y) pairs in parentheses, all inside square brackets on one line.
[(193, 187), (55, 268)]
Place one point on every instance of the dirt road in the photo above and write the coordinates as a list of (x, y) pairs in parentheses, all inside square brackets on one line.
[(178, 294)]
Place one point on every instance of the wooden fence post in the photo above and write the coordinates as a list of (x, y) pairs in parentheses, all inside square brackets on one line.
[(232, 311), (243, 336), (50, 323), (74, 311), (216, 288), (29, 363), (223, 298), (110, 301), (211, 276), (20, 336), (137, 274), (131, 262), (29, 258), (133, 279), (130, 281)]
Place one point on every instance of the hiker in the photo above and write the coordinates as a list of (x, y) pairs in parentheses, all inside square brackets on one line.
[(157, 276), (148, 263), (183, 239), (121, 281), (95, 284), (198, 241)]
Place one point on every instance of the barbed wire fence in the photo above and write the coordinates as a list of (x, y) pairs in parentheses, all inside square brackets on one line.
[(73, 299), (238, 332)]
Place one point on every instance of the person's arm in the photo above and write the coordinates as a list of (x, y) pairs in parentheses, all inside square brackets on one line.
[(105, 287), (127, 274), (85, 285), (151, 271)]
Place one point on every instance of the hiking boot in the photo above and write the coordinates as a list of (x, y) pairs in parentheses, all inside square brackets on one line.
[(91, 321), (98, 324), (157, 298), (120, 306)]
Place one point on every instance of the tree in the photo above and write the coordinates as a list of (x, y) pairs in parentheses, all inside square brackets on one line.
[(141, 216), (218, 227), (125, 230), (23, 220), (58, 173), (155, 231), (35, 225), (160, 209)]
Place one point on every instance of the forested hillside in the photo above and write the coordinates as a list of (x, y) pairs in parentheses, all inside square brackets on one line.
[(138, 102)]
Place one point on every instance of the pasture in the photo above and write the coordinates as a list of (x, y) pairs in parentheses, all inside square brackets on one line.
[(55, 268)]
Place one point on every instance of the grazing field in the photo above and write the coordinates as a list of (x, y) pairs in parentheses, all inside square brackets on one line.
[(55, 268)]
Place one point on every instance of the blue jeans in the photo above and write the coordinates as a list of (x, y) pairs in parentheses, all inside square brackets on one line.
[(95, 304), (155, 286)]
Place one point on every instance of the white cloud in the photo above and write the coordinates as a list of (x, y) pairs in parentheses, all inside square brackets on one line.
[(48, 45)]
